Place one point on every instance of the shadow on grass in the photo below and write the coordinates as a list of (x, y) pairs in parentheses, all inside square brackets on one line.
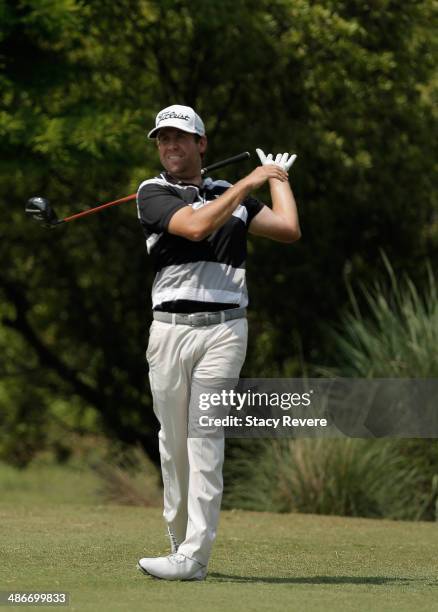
[(375, 580)]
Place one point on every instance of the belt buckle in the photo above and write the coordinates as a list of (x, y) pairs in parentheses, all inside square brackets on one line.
[(197, 316)]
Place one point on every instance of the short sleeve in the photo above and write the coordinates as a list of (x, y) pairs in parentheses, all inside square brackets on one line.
[(253, 207), (156, 205)]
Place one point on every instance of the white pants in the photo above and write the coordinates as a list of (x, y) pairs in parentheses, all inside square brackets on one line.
[(191, 467)]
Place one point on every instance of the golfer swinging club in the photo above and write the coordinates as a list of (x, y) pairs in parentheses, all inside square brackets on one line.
[(196, 232)]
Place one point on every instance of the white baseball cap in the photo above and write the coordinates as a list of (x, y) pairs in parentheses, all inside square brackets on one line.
[(181, 117)]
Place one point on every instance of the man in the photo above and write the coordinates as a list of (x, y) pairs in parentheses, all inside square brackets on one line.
[(196, 231)]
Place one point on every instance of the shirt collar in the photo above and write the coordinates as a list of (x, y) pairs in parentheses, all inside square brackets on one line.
[(171, 179)]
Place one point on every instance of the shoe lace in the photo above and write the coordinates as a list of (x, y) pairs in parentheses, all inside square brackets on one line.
[(173, 539), (177, 558)]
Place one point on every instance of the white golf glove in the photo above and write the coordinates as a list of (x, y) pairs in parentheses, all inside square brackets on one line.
[(284, 160)]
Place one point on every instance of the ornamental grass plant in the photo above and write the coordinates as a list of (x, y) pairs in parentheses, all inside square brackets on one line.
[(344, 477), (395, 335)]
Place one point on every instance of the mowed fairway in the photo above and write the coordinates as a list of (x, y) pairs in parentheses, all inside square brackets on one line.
[(261, 561)]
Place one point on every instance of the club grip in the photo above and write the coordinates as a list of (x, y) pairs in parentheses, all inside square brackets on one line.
[(226, 162)]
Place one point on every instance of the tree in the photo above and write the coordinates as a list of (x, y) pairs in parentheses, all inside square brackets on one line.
[(343, 84)]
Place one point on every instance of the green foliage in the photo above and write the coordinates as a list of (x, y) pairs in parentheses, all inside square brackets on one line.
[(394, 335), (398, 335), (346, 85), (347, 477), (24, 425), (32, 425)]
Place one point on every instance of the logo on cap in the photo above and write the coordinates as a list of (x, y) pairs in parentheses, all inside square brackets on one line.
[(172, 115)]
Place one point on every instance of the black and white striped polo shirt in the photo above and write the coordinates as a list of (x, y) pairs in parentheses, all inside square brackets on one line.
[(193, 276)]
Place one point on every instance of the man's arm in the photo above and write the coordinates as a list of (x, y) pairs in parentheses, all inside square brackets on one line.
[(281, 223), (197, 224)]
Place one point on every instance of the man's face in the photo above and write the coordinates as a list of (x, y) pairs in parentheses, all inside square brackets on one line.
[(180, 153)]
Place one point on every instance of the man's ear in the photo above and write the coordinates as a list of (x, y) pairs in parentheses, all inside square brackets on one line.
[(202, 144)]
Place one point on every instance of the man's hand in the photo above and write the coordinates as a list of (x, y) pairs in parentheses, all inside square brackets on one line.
[(261, 174), (283, 160)]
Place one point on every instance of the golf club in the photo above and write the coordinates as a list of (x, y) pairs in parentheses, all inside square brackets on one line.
[(39, 209)]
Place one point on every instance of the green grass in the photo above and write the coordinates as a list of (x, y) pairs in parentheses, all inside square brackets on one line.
[(44, 484), (261, 561)]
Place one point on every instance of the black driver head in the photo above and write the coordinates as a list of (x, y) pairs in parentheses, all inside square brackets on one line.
[(40, 210)]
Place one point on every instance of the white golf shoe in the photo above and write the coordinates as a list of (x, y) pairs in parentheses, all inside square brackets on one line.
[(173, 567)]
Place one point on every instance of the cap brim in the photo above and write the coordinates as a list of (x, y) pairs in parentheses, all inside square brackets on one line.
[(154, 133)]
